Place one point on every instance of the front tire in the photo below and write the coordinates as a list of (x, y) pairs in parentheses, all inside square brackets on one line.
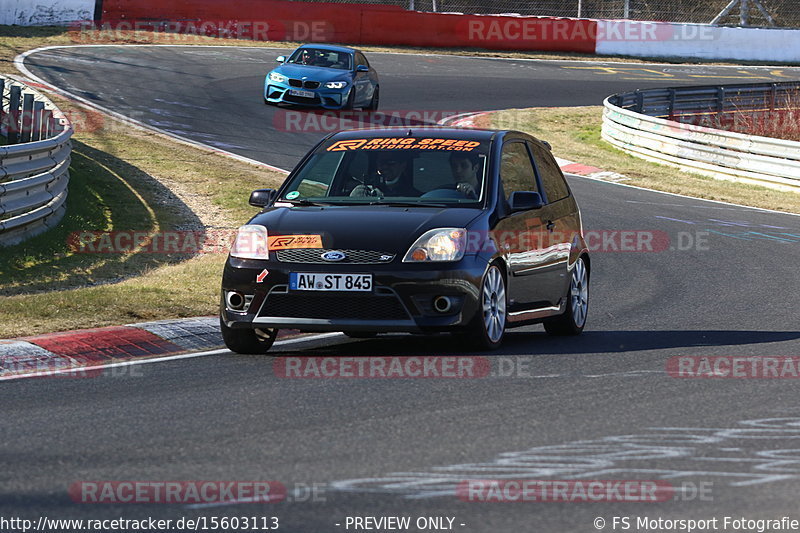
[(376, 97), (247, 341), (487, 329), (573, 320)]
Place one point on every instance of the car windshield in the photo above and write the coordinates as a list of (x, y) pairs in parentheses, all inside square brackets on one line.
[(412, 171), (319, 57)]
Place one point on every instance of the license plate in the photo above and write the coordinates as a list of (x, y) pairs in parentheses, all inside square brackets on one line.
[(316, 281), (298, 92)]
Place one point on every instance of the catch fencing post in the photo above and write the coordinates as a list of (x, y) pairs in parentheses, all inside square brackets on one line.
[(36, 128), (27, 117), (13, 115)]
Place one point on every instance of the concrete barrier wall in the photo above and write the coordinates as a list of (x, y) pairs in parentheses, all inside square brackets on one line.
[(355, 24), (45, 12), (696, 41), (379, 24)]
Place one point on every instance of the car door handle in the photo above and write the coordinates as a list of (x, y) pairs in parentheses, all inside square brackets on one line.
[(551, 225)]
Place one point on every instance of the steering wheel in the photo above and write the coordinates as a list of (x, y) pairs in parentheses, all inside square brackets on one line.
[(449, 190), (366, 190)]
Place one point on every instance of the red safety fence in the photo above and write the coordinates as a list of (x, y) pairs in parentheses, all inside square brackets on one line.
[(351, 23)]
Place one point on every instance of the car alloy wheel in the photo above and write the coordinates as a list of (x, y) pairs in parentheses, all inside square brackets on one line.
[(487, 328), (494, 304), (579, 293), (572, 321)]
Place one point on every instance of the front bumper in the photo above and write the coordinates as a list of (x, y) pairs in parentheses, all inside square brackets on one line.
[(278, 93), (401, 300)]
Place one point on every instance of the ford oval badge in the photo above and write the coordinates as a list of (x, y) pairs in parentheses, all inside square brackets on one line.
[(334, 255)]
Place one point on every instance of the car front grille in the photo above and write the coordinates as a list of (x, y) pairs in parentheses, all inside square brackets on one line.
[(308, 84), (314, 255), (334, 306), (301, 99)]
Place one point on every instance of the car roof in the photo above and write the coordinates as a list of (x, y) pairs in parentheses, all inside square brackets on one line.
[(414, 131), (331, 47)]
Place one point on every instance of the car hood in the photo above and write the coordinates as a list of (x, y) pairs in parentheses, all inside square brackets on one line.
[(379, 228), (313, 73)]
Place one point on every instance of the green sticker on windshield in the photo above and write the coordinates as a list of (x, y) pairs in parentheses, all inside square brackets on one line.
[(292, 195)]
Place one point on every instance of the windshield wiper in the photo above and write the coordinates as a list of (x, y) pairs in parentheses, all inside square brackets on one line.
[(303, 202), (409, 204)]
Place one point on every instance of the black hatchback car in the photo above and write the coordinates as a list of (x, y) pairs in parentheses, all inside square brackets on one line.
[(411, 230)]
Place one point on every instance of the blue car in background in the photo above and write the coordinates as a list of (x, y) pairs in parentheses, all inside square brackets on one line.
[(330, 77)]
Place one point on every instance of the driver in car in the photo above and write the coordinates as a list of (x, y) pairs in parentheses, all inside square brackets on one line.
[(306, 57), (393, 177), (465, 167)]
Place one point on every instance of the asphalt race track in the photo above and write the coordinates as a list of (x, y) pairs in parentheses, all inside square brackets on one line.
[(213, 95), (720, 282)]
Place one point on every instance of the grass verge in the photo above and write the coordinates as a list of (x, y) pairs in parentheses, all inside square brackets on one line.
[(126, 180), (574, 133)]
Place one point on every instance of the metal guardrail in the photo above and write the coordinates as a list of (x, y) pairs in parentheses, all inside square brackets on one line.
[(34, 165), (661, 125)]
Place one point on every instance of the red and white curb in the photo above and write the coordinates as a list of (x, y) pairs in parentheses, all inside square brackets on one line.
[(93, 349)]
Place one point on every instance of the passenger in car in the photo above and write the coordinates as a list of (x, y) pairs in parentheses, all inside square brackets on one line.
[(465, 167)]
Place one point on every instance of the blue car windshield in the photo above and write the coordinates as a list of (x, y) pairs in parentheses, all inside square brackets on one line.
[(404, 170), (318, 57)]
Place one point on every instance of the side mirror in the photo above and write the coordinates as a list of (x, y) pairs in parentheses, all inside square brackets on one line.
[(281, 59), (362, 68), (262, 197), (525, 201)]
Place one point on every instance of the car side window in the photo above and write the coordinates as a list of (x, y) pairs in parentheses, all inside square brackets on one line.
[(361, 60), (555, 187), (516, 169), (316, 178)]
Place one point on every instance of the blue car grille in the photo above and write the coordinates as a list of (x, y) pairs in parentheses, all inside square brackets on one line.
[(305, 84)]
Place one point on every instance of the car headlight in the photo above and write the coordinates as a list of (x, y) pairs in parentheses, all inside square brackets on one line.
[(251, 243), (336, 85), (277, 78), (443, 244)]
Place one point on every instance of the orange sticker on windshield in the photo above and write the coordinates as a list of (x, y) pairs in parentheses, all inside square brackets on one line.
[(288, 242), (404, 143)]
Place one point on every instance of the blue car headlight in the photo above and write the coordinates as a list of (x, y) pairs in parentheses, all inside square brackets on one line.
[(277, 78), (336, 85)]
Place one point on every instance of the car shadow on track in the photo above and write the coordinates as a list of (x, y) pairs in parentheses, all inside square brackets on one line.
[(535, 343)]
